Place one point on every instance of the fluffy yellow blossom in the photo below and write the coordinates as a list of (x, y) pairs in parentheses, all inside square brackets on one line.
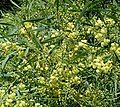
[(76, 47), (54, 33), (53, 79), (98, 23), (99, 36), (100, 66), (105, 42), (20, 104), (83, 43), (89, 29), (87, 92), (118, 51), (41, 80), (28, 25), (8, 102), (6, 44), (58, 92), (72, 35), (21, 86), (2, 105), (81, 65), (75, 80), (14, 88), (103, 30), (2, 92), (37, 104), (70, 26), (28, 67), (114, 46), (22, 31), (11, 96), (110, 21)]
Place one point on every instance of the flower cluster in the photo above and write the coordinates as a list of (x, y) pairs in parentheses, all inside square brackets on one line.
[(8, 47), (100, 66), (10, 98), (115, 48)]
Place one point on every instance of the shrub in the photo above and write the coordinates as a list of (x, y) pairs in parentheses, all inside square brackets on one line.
[(60, 53)]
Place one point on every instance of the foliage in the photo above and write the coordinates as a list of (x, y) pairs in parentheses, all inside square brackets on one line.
[(61, 53)]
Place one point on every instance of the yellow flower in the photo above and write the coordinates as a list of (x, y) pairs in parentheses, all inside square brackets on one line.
[(21, 86), (8, 102), (84, 41), (2, 92), (54, 33), (11, 96), (103, 30), (98, 71), (72, 35), (110, 21), (57, 92), (114, 46), (118, 51), (99, 36), (81, 65), (89, 30), (41, 80), (98, 23), (76, 47), (22, 31), (22, 104), (28, 25), (14, 88), (2, 105), (81, 44), (37, 104), (70, 26), (105, 42), (27, 68)]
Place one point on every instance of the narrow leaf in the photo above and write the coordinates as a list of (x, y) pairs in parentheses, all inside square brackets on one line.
[(7, 59)]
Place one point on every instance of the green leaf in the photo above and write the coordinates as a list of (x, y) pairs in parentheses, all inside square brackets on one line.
[(57, 2), (15, 4), (37, 42), (3, 23), (25, 42), (26, 51), (13, 31), (9, 56), (40, 29), (90, 5), (48, 40), (38, 19)]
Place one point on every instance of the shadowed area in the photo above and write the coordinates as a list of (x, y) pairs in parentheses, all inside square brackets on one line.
[(8, 5)]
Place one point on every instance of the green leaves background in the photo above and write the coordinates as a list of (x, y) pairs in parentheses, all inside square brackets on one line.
[(47, 49)]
